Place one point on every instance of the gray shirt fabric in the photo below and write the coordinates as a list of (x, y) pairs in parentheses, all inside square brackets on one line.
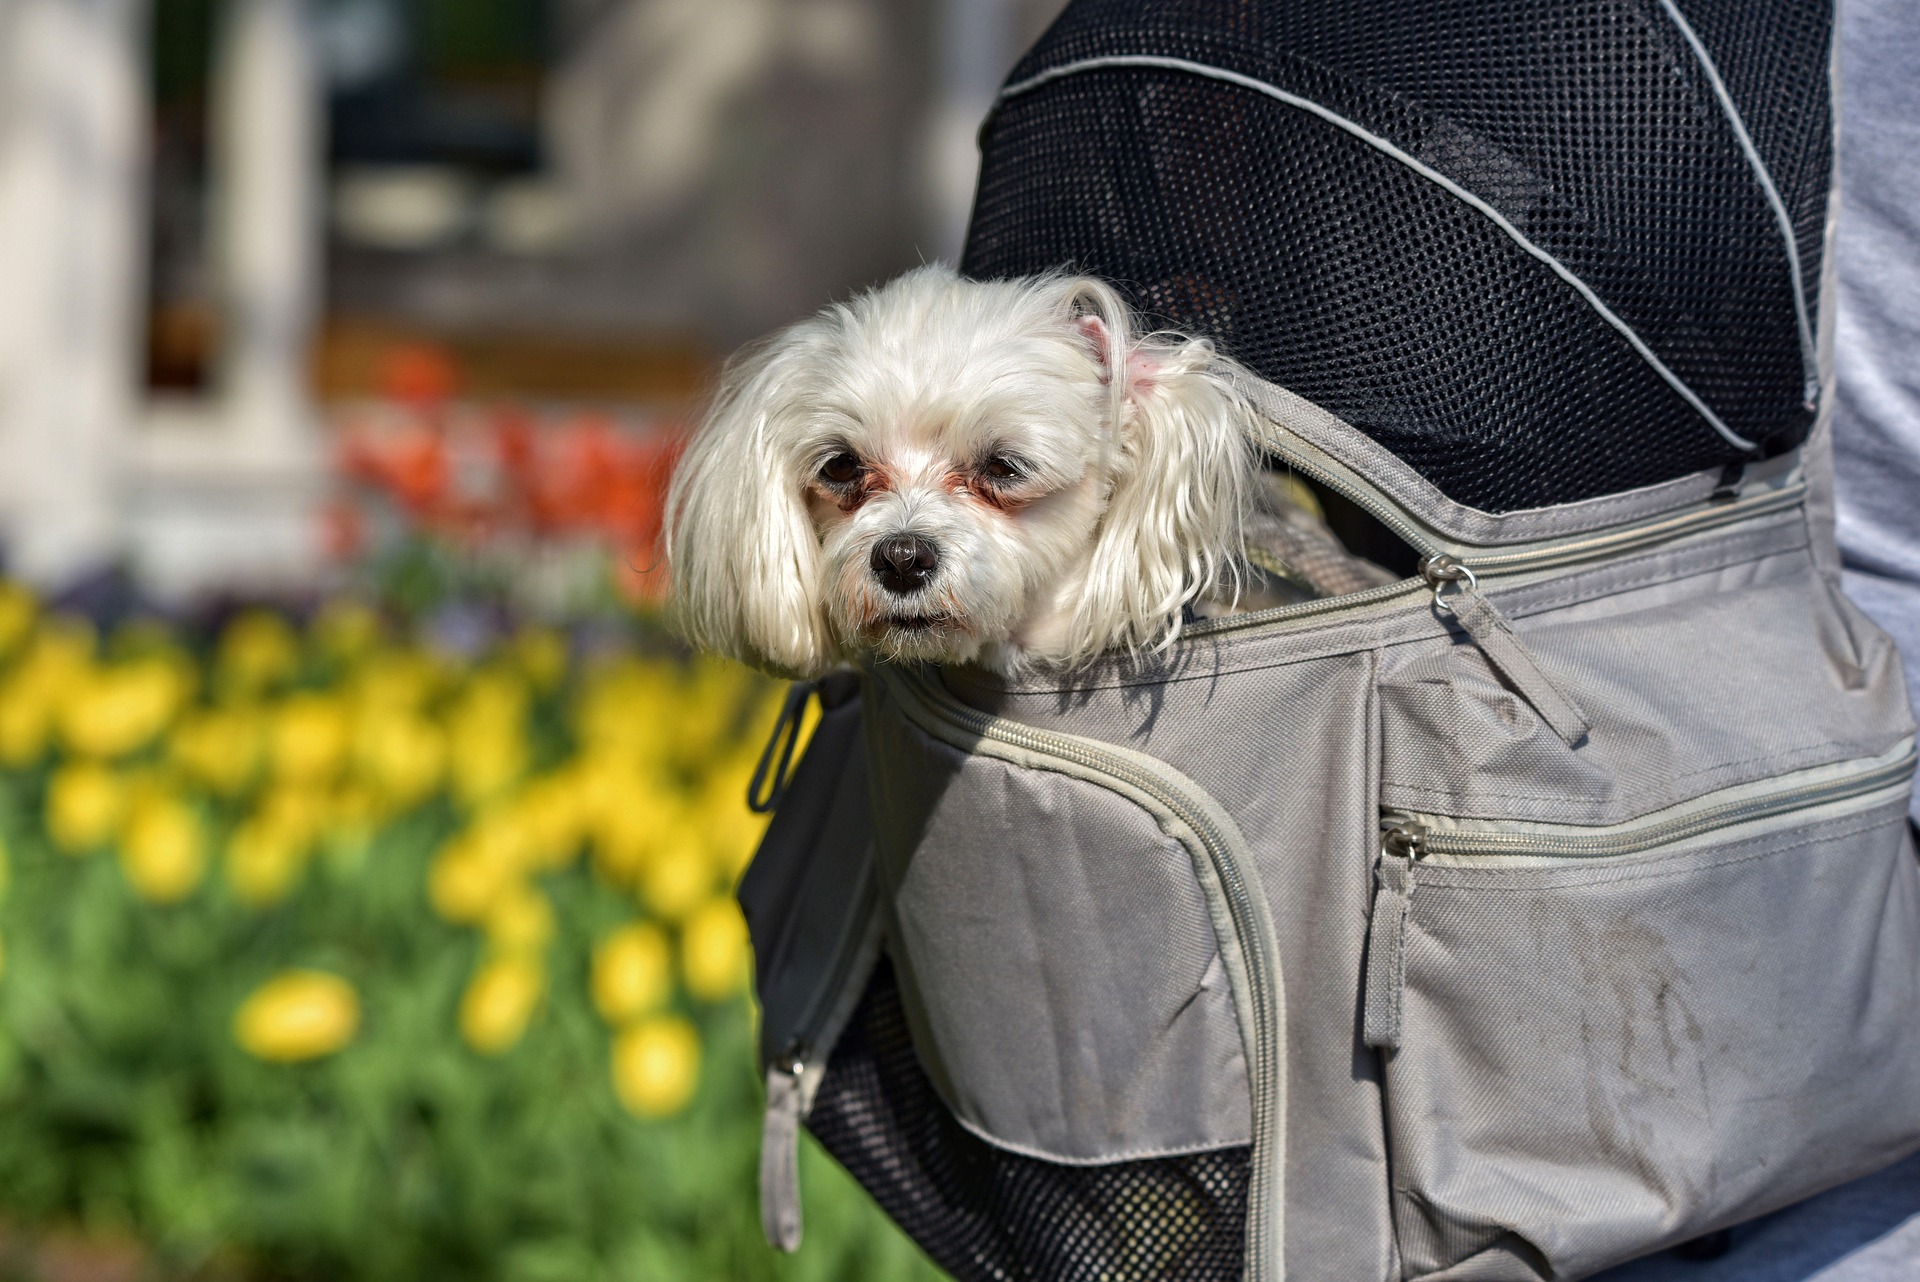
[(1876, 434)]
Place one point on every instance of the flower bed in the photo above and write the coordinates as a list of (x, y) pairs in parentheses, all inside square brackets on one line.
[(326, 955)]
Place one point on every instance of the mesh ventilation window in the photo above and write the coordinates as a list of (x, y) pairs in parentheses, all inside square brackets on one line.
[(986, 1215), (1333, 268)]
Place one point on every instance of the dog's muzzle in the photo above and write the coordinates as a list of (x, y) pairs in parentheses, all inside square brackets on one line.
[(904, 562)]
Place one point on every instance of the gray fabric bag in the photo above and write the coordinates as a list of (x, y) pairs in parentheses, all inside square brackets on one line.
[(1508, 921), (1504, 923)]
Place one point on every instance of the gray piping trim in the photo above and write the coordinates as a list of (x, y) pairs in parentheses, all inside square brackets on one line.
[(981, 1133), (1808, 363), (1425, 171), (1422, 501)]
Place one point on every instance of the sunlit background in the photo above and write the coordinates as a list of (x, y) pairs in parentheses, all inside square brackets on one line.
[(368, 845)]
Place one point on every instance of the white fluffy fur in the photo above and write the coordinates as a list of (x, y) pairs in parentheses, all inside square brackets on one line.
[(1134, 476)]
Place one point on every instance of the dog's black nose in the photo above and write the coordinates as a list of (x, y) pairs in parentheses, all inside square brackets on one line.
[(904, 562)]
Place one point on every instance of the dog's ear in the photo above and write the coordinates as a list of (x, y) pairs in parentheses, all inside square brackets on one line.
[(1182, 481), (742, 554)]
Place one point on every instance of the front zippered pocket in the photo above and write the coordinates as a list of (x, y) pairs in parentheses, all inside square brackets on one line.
[(1412, 842), (1241, 926), (1598, 1039), (1436, 838)]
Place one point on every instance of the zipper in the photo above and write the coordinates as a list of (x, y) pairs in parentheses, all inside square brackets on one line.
[(1410, 842), (1316, 464), (1252, 929), (1385, 981), (1684, 822), (1720, 509), (1497, 641)]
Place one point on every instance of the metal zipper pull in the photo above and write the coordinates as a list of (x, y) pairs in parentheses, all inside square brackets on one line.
[(1494, 635), (1401, 847), (780, 1152)]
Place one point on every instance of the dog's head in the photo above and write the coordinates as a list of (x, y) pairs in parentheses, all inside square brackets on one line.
[(944, 469)]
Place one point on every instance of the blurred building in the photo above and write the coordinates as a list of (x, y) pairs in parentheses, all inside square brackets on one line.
[(220, 219)]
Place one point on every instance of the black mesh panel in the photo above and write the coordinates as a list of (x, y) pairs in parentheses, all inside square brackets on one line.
[(982, 1213), (1343, 274)]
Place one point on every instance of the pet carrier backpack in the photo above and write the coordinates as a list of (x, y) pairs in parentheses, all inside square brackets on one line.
[(1544, 907)]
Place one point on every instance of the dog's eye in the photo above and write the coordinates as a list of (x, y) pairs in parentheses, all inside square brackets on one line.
[(1001, 468), (842, 469)]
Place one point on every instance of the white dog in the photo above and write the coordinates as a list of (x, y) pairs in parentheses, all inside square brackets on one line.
[(999, 472)]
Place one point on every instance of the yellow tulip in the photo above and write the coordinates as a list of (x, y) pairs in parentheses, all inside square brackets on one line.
[(298, 1015), (310, 738), (603, 780), (24, 722), (550, 809), (18, 609), (715, 955), (394, 681), (494, 696), (625, 812), (464, 881), (656, 1066), (296, 812), (733, 834), (723, 785), (483, 761), (263, 861), (162, 851), (541, 653), (62, 648), (122, 708), (84, 800), (344, 630), (56, 664), (219, 749), (505, 835), (712, 695), (678, 879), (622, 846), (632, 972), (520, 920), (620, 712), (257, 650), (499, 1002), (401, 753)]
